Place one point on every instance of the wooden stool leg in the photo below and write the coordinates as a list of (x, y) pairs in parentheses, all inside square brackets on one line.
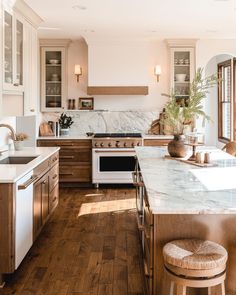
[(172, 287), (2, 283), (181, 290), (219, 289)]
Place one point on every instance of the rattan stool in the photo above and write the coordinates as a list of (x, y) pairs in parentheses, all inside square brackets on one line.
[(196, 264)]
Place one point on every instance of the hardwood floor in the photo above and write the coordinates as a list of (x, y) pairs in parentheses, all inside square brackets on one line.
[(90, 246)]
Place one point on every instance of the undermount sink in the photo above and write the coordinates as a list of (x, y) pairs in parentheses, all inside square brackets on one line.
[(17, 160)]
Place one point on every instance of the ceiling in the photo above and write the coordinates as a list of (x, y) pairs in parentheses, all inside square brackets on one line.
[(136, 19)]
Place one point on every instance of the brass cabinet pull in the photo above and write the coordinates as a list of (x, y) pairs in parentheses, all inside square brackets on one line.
[(54, 159), (64, 144), (69, 173), (44, 182), (135, 182), (146, 272), (54, 199), (66, 157), (54, 176), (32, 179)]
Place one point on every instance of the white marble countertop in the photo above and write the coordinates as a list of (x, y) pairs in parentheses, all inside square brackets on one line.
[(174, 187), (10, 173), (84, 136)]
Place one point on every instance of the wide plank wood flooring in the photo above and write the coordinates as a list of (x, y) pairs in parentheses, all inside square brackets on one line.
[(89, 246)]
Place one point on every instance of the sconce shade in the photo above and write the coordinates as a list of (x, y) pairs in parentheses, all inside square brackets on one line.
[(78, 71), (157, 72)]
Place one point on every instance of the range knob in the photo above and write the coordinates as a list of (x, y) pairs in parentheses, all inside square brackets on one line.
[(102, 144), (96, 145), (133, 144), (125, 144), (109, 144), (117, 144), (138, 143)]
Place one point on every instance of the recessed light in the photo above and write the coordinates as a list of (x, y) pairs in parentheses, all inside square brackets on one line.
[(211, 31), (221, 0), (80, 7)]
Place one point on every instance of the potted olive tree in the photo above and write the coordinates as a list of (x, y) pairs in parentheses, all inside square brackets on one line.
[(65, 122), (177, 115)]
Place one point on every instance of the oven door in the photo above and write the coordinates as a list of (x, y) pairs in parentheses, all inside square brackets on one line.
[(113, 165)]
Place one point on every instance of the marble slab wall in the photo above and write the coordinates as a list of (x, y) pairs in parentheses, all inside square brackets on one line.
[(108, 121)]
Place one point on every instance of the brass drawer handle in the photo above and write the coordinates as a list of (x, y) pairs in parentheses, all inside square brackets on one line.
[(69, 173), (44, 182), (54, 199), (146, 272), (54, 176), (32, 179), (66, 157), (64, 144), (54, 159)]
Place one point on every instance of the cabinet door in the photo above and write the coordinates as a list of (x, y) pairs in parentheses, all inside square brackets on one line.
[(45, 198), (37, 209), (53, 82), (182, 72), (8, 49)]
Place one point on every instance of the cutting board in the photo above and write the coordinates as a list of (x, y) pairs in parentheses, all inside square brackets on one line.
[(45, 130)]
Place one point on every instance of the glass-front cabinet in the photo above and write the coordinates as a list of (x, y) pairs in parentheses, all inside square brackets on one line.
[(52, 78), (13, 52), (182, 68)]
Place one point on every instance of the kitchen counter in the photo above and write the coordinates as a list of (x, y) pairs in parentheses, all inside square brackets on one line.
[(84, 136), (10, 173), (179, 188)]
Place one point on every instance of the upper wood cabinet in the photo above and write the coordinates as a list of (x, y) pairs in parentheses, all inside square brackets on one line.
[(182, 67), (53, 74)]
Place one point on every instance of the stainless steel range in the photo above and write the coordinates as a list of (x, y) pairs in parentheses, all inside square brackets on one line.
[(114, 157)]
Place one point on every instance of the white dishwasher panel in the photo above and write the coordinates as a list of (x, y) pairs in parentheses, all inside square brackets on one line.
[(24, 219)]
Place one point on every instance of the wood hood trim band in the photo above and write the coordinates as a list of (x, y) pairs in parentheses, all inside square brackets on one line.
[(117, 90)]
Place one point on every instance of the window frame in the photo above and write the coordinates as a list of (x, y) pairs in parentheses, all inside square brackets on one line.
[(220, 66)]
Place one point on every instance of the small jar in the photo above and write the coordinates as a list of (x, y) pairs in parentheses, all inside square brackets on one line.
[(207, 158)]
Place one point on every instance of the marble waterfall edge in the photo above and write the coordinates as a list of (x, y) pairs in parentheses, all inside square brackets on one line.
[(108, 121)]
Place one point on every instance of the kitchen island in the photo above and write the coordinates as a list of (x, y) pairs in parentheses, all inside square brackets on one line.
[(185, 201)]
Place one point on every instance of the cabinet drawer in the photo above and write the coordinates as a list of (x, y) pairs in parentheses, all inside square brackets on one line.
[(53, 177), (81, 173), (65, 143), (53, 198), (54, 159), (42, 168), (78, 154), (156, 142)]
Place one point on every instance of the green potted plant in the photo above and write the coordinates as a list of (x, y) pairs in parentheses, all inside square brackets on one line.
[(65, 123), (19, 141), (179, 114)]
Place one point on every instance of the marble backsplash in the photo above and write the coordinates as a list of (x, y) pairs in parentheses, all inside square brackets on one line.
[(107, 121)]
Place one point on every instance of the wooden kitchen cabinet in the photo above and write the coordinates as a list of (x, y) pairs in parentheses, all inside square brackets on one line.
[(75, 159), (45, 191), (25, 207), (156, 142)]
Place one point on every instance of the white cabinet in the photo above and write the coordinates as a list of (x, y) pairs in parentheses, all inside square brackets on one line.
[(182, 67), (13, 49), (24, 217), (53, 74)]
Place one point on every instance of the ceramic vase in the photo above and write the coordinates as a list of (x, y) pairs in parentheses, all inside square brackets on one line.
[(176, 147), (19, 145)]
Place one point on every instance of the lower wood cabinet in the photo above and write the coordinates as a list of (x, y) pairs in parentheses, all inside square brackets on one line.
[(25, 207), (156, 142), (75, 159), (45, 198)]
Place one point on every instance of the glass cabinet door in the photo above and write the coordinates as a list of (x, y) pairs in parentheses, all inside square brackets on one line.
[(182, 76), (19, 53), (53, 79), (8, 48)]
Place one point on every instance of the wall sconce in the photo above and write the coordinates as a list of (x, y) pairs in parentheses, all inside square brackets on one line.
[(157, 72), (78, 71)]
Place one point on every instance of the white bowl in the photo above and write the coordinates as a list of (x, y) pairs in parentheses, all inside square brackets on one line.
[(54, 61), (180, 77)]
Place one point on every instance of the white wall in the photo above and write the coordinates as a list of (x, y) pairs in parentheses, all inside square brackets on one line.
[(77, 54), (121, 64), (211, 102), (4, 132)]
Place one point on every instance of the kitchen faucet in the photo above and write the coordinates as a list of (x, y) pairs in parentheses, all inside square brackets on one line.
[(13, 134)]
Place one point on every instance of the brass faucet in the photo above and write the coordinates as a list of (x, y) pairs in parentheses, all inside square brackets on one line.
[(13, 134)]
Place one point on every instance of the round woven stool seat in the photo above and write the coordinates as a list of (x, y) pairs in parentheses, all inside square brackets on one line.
[(194, 254)]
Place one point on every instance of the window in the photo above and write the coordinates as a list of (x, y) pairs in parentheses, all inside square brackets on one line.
[(224, 101)]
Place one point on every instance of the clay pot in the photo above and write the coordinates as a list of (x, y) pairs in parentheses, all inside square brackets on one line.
[(176, 147)]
